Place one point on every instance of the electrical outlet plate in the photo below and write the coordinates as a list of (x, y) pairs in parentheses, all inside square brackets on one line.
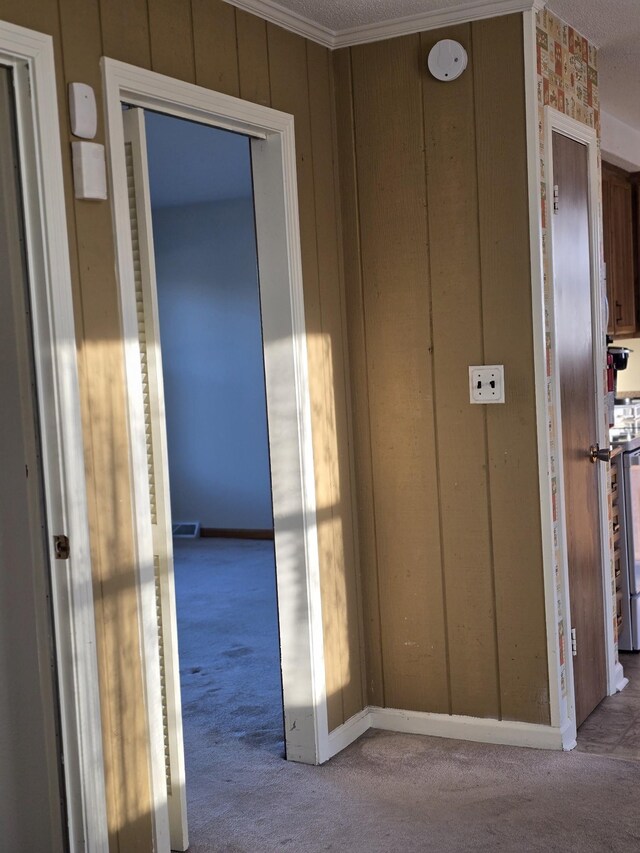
[(486, 383)]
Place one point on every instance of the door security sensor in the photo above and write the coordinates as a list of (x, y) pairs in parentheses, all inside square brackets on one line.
[(447, 60), (82, 110)]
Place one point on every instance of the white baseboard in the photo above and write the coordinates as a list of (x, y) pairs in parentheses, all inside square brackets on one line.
[(568, 734), (506, 732), (467, 728), (347, 733), (619, 679)]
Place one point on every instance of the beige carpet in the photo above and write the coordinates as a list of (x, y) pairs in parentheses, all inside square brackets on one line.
[(389, 793), (406, 793)]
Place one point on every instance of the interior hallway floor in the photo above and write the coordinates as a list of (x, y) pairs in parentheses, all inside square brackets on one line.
[(614, 727), (387, 793)]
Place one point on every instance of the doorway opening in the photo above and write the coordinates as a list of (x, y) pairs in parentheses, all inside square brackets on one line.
[(208, 451), (272, 146)]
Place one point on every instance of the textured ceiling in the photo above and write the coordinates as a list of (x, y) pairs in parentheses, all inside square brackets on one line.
[(339, 15), (613, 25)]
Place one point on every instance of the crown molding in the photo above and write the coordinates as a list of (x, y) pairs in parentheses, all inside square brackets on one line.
[(288, 20), (475, 10)]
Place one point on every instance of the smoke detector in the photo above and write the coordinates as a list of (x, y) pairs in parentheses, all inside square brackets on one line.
[(447, 60)]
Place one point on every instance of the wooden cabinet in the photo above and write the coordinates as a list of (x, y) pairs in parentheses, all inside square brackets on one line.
[(617, 220)]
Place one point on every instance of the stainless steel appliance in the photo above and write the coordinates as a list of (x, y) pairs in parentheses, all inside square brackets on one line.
[(629, 638)]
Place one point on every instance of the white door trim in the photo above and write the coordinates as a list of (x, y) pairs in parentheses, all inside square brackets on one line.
[(30, 54), (288, 399), (557, 122), (554, 653)]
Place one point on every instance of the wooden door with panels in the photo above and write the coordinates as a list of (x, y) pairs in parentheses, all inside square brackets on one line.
[(575, 353), (157, 469)]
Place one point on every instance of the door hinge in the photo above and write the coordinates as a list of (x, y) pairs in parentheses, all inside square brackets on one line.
[(61, 547), (556, 198), (574, 642)]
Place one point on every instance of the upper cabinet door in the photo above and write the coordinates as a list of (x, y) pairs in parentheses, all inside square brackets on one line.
[(618, 252)]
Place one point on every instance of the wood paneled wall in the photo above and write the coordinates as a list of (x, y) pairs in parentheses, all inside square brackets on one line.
[(210, 43), (437, 276)]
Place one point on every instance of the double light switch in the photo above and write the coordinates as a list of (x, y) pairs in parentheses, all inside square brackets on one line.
[(486, 383)]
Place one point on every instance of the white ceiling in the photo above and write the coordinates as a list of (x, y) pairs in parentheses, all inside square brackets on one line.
[(191, 163), (612, 25), (340, 15)]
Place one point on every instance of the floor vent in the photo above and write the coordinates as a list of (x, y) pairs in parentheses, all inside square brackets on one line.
[(186, 529)]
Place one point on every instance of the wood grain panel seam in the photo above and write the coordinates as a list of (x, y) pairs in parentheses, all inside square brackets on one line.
[(151, 60), (99, 6), (366, 366), (193, 43), (434, 407), (485, 413), (267, 40), (235, 25), (346, 369), (149, 39), (325, 384)]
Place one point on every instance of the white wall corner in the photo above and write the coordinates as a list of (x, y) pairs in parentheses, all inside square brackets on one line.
[(620, 143)]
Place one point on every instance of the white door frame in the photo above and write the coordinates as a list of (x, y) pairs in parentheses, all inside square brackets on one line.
[(288, 399), (557, 586), (31, 57)]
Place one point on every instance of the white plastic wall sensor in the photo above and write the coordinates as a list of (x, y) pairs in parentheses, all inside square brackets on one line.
[(89, 170), (447, 60), (82, 110)]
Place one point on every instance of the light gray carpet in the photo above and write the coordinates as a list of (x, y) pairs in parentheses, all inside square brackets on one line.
[(388, 792)]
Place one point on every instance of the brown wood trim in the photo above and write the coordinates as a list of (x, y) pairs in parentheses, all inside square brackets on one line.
[(234, 533), (615, 171)]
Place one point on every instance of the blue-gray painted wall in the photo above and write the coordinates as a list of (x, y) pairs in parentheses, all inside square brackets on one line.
[(208, 297)]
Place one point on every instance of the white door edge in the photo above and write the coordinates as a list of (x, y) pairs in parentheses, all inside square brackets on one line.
[(288, 400), (31, 56)]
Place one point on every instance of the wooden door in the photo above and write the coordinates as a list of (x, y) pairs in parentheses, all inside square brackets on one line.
[(157, 470), (572, 284), (31, 783)]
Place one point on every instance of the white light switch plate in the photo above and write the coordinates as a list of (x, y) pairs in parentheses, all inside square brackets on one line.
[(486, 383)]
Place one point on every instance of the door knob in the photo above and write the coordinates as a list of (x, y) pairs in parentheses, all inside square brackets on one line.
[(596, 454)]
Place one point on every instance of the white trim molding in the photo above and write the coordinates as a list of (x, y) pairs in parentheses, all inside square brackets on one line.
[(478, 729), (31, 57), (288, 401), (554, 653), (431, 19)]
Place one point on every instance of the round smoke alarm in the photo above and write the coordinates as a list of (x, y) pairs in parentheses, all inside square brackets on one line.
[(447, 60)]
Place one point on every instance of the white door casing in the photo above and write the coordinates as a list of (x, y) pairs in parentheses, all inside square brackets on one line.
[(30, 55), (157, 470), (288, 404)]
